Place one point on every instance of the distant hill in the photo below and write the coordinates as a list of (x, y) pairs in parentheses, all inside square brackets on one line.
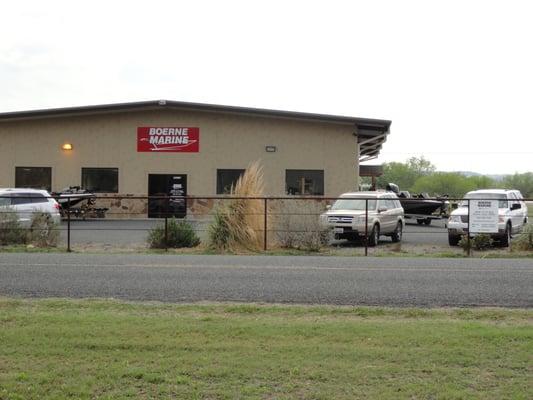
[(496, 177)]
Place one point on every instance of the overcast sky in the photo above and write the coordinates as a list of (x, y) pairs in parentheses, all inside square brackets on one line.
[(455, 77)]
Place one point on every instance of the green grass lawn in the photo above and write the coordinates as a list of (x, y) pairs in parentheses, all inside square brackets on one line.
[(111, 350)]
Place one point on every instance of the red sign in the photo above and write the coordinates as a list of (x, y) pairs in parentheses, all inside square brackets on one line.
[(168, 139)]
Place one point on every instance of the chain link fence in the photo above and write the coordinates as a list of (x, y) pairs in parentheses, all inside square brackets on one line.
[(274, 222)]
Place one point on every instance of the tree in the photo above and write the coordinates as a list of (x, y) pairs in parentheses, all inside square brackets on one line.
[(420, 166), (453, 184), (405, 174), (483, 182), (522, 182)]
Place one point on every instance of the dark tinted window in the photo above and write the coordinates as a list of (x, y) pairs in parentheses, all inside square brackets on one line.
[(38, 198), (17, 200), (21, 198), (304, 182), (12, 199), (100, 180), (4, 200), (33, 177), (226, 178)]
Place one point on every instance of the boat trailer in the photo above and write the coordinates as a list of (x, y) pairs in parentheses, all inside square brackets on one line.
[(78, 203)]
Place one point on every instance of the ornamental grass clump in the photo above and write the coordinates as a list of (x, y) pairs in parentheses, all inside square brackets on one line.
[(480, 241), (11, 232), (524, 241), (298, 225), (179, 234), (239, 222), (43, 231)]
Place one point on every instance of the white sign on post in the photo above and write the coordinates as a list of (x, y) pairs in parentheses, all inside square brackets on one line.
[(484, 216)]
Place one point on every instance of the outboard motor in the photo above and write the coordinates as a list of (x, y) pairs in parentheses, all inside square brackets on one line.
[(392, 187)]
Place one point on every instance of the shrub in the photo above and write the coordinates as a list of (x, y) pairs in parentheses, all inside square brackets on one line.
[(239, 223), (43, 231), (298, 227), (219, 232), (11, 232), (524, 241), (179, 234), (480, 241)]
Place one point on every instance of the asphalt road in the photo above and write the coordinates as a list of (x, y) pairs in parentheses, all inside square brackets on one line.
[(123, 232), (422, 282)]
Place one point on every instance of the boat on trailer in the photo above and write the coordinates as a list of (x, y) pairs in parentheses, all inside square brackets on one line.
[(78, 202), (421, 206)]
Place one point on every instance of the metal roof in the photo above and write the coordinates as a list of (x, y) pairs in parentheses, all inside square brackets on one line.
[(371, 133)]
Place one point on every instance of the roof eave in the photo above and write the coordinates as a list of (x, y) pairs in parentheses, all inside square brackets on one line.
[(162, 104)]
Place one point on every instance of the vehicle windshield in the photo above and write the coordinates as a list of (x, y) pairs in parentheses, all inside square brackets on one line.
[(353, 204), (502, 203)]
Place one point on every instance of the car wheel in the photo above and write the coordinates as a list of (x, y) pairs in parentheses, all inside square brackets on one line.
[(373, 239), (397, 234), (505, 240), (420, 221), (453, 240), (427, 221)]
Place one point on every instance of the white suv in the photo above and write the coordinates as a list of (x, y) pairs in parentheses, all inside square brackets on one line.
[(512, 215), (27, 202), (346, 217), (523, 204)]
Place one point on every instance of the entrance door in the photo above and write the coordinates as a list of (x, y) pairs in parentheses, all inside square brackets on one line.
[(167, 185)]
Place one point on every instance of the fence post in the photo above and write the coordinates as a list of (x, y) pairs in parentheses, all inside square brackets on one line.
[(366, 227), (265, 227), (468, 232), (68, 226), (167, 206)]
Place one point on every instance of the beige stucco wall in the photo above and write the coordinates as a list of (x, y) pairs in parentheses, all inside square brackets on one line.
[(226, 141)]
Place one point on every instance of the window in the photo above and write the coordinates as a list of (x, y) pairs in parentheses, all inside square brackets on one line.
[(353, 204), (27, 198), (304, 182), (100, 180), (226, 178), (389, 203), (33, 177), (18, 198)]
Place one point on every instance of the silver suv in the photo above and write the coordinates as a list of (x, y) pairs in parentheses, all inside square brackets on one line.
[(346, 217), (27, 202)]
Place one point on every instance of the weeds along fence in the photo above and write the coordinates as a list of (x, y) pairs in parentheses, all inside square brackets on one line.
[(254, 223)]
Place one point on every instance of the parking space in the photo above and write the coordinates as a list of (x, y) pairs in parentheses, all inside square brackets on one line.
[(122, 233)]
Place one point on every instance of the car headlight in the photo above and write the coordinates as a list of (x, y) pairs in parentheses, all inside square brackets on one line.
[(360, 220)]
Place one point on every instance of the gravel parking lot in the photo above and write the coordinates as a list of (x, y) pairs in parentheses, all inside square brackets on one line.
[(135, 232)]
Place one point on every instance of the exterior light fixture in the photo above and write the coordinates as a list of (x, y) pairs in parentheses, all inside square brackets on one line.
[(270, 149), (67, 146)]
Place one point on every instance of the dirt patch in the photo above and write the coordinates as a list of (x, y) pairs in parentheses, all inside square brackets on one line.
[(343, 250)]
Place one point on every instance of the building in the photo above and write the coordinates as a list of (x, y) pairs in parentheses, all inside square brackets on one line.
[(154, 147)]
